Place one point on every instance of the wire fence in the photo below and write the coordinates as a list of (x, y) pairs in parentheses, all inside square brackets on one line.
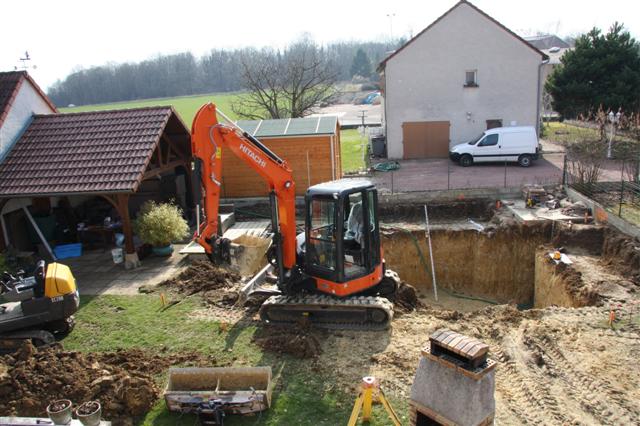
[(443, 174), (620, 197)]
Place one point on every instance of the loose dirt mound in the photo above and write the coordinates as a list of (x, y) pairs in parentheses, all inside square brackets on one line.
[(201, 277), (298, 342), (406, 299), (34, 378), (121, 381), (217, 286)]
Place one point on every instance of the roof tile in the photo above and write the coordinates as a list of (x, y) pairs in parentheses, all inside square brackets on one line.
[(102, 151)]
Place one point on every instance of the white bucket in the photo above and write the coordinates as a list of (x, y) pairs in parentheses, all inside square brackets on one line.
[(118, 255)]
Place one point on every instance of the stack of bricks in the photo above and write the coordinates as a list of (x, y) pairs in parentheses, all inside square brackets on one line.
[(455, 382)]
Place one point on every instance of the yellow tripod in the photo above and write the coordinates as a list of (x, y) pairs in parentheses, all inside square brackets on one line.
[(365, 399)]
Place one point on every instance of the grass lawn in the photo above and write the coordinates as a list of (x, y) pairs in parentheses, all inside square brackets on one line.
[(563, 133), (303, 394), (352, 150), (186, 106)]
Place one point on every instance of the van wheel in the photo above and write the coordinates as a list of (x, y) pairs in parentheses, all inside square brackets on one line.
[(524, 160), (466, 160)]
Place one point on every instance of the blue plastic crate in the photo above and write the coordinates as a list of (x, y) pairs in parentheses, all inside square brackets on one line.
[(66, 251)]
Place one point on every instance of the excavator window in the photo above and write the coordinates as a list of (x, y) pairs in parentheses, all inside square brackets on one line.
[(322, 244), (354, 240)]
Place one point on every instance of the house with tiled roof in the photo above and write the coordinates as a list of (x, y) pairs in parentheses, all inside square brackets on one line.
[(20, 98), (68, 175)]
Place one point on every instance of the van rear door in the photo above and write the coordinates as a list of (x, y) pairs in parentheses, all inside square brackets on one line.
[(487, 149)]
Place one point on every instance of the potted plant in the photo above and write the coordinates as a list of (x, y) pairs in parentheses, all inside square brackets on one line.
[(159, 224), (59, 411), (89, 413)]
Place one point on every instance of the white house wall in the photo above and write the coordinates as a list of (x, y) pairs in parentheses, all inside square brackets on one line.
[(424, 81), (26, 103)]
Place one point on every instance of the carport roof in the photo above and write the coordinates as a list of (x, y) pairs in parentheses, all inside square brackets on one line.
[(324, 125), (88, 152)]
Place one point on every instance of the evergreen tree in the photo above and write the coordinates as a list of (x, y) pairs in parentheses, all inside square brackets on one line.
[(602, 70), (361, 64)]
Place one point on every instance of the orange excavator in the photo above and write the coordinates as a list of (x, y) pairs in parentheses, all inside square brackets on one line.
[(332, 275)]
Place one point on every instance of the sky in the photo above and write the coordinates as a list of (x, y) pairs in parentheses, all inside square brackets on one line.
[(65, 35)]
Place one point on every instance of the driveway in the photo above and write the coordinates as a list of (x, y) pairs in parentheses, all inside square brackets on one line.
[(442, 174)]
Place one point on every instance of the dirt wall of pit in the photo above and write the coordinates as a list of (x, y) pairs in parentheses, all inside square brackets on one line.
[(556, 285), (498, 264)]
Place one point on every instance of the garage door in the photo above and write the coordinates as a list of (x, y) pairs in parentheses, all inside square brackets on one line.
[(425, 139)]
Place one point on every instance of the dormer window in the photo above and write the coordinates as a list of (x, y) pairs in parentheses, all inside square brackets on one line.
[(471, 78)]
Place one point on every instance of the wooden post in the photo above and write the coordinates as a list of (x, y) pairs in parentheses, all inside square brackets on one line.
[(123, 209), (4, 238), (188, 183)]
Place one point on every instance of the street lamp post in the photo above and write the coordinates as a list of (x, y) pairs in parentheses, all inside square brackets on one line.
[(390, 16), (613, 122)]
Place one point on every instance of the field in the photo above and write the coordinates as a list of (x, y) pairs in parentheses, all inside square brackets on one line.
[(186, 106)]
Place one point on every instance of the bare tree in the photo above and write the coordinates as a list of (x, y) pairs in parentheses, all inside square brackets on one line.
[(585, 160), (286, 84)]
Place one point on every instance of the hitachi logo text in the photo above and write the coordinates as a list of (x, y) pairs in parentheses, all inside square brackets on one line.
[(253, 155)]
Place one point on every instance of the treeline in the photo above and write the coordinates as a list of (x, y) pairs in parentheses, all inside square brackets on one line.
[(185, 74)]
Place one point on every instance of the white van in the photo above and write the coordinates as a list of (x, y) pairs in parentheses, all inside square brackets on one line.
[(499, 144)]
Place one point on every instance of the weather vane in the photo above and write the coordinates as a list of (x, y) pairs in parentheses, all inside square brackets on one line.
[(25, 62)]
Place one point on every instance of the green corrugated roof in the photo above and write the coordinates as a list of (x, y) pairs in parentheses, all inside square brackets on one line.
[(325, 125)]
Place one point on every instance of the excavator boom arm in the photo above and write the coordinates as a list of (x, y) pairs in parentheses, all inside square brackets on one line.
[(208, 136)]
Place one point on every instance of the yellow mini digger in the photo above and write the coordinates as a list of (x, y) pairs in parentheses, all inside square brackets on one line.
[(37, 307)]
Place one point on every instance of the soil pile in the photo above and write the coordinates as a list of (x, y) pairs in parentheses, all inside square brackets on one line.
[(216, 285), (32, 378), (202, 277), (122, 381), (406, 299), (301, 342)]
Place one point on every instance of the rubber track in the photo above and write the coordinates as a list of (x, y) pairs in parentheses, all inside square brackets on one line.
[(309, 303)]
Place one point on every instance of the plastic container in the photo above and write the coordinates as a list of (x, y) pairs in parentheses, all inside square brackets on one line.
[(378, 146), (163, 251), (60, 416), (118, 255), (66, 251)]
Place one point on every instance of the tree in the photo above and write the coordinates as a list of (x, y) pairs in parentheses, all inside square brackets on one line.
[(286, 84), (361, 65), (603, 70)]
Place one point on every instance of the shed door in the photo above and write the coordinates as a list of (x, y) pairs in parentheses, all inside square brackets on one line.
[(425, 139)]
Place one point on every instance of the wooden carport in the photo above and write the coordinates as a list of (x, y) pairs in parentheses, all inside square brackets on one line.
[(103, 153)]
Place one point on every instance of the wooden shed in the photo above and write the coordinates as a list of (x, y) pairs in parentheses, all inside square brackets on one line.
[(311, 147)]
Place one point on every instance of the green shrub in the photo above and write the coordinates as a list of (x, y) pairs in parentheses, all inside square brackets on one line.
[(3, 263), (160, 224)]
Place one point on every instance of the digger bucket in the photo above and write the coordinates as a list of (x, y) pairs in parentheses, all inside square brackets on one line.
[(241, 390), (248, 254)]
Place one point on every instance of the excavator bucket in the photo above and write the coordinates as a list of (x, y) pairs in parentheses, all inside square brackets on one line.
[(237, 390), (248, 254)]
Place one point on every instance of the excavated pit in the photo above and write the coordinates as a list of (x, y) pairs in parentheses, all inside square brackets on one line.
[(508, 263)]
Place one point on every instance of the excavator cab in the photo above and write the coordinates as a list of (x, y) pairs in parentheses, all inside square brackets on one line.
[(342, 239)]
